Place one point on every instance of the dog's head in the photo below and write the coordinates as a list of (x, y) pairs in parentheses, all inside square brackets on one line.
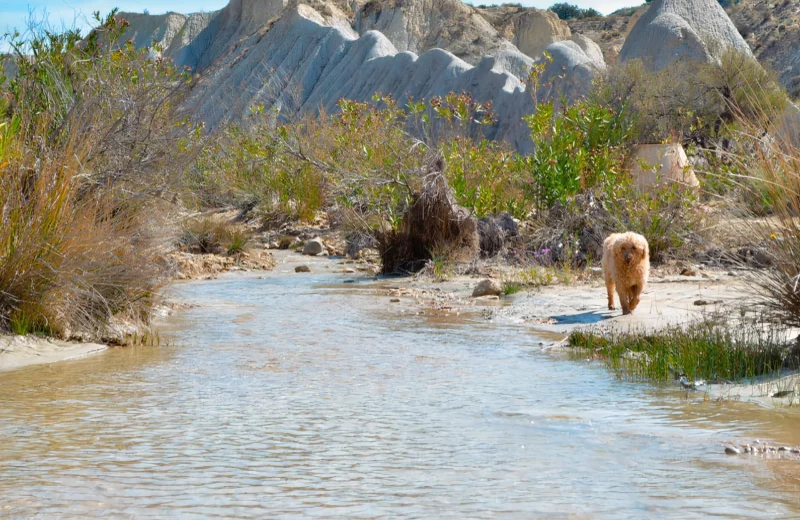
[(632, 248)]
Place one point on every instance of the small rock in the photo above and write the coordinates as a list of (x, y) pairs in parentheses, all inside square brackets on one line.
[(394, 300), (313, 247), (302, 269), (688, 272), (700, 303), (488, 287), (730, 450)]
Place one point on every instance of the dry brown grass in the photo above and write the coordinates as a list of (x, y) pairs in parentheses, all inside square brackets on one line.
[(69, 259), (89, 133), (432, 225)]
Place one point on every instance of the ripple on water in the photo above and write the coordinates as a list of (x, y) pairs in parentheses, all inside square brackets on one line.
[(282, 398)]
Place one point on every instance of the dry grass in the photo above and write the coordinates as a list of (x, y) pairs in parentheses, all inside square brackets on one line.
[(88, 133), (69, 259), (432, 224)]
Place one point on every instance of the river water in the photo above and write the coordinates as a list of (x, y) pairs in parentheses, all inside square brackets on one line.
[(296, 396)]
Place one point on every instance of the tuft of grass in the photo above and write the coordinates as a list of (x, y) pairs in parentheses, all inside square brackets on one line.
[(89, 147), (203, 236), (22, 323), (708, 350), (511, 287), (209, 236), (236, 241), (286, 241)]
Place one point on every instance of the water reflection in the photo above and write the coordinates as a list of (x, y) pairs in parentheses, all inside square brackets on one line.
[(283, 397)]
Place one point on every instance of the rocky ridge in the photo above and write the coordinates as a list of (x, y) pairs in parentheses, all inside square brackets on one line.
[(301, 56)]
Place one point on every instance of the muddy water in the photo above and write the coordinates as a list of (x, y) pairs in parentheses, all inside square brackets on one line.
[(290, 396)]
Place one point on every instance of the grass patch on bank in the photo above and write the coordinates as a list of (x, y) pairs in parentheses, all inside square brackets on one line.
[(207, 236), (708, 350)]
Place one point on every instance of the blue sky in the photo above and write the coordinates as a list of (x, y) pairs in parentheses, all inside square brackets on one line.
[(15, 13)]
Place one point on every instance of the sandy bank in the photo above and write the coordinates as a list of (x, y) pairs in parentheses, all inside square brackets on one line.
[(21, 351), (668, 300)]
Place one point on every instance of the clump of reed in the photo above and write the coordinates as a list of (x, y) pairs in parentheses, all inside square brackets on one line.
[(212, 236), (87, 130), (711, 350)]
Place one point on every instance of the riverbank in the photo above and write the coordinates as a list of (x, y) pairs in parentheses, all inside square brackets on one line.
[(22, 351)]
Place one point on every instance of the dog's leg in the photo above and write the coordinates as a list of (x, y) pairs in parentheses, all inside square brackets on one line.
[(636, 292), (610, 290), (624, 299)]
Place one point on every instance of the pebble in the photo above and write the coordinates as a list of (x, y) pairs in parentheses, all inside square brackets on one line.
[(302, 269), (688, 272), (394, 300)]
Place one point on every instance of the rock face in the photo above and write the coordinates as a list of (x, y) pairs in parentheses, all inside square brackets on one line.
[(654, 164), (773, 31), (672, 30), (303, 65), (609, 32), (488, 287), (530, 30), (301, 58), (171, 31), (422, 25), (575, 64)]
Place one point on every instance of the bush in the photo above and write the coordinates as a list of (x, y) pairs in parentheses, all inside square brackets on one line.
[(690, 103), (487, 177), (85, 140), (576, 150)]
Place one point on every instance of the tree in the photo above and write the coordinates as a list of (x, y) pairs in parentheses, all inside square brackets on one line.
[(566, 11)]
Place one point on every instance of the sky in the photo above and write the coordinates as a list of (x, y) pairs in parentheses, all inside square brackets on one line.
[(78, 13)]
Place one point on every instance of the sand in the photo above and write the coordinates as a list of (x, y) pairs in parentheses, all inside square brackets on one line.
[(22, 351)]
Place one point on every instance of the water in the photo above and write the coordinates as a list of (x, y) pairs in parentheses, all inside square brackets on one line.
[(290, 396)]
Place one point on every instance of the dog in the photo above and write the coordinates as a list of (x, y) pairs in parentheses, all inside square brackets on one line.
[(626, 266)]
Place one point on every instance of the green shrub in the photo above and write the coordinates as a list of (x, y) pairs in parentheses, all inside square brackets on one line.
[(567, 11), (487, 178), (579, 149), (236, 241), (688, 102)]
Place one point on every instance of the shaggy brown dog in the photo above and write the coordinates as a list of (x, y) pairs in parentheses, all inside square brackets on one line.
[(626, 265)]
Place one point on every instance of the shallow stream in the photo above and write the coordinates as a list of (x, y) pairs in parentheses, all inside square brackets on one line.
[(298, 396)]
